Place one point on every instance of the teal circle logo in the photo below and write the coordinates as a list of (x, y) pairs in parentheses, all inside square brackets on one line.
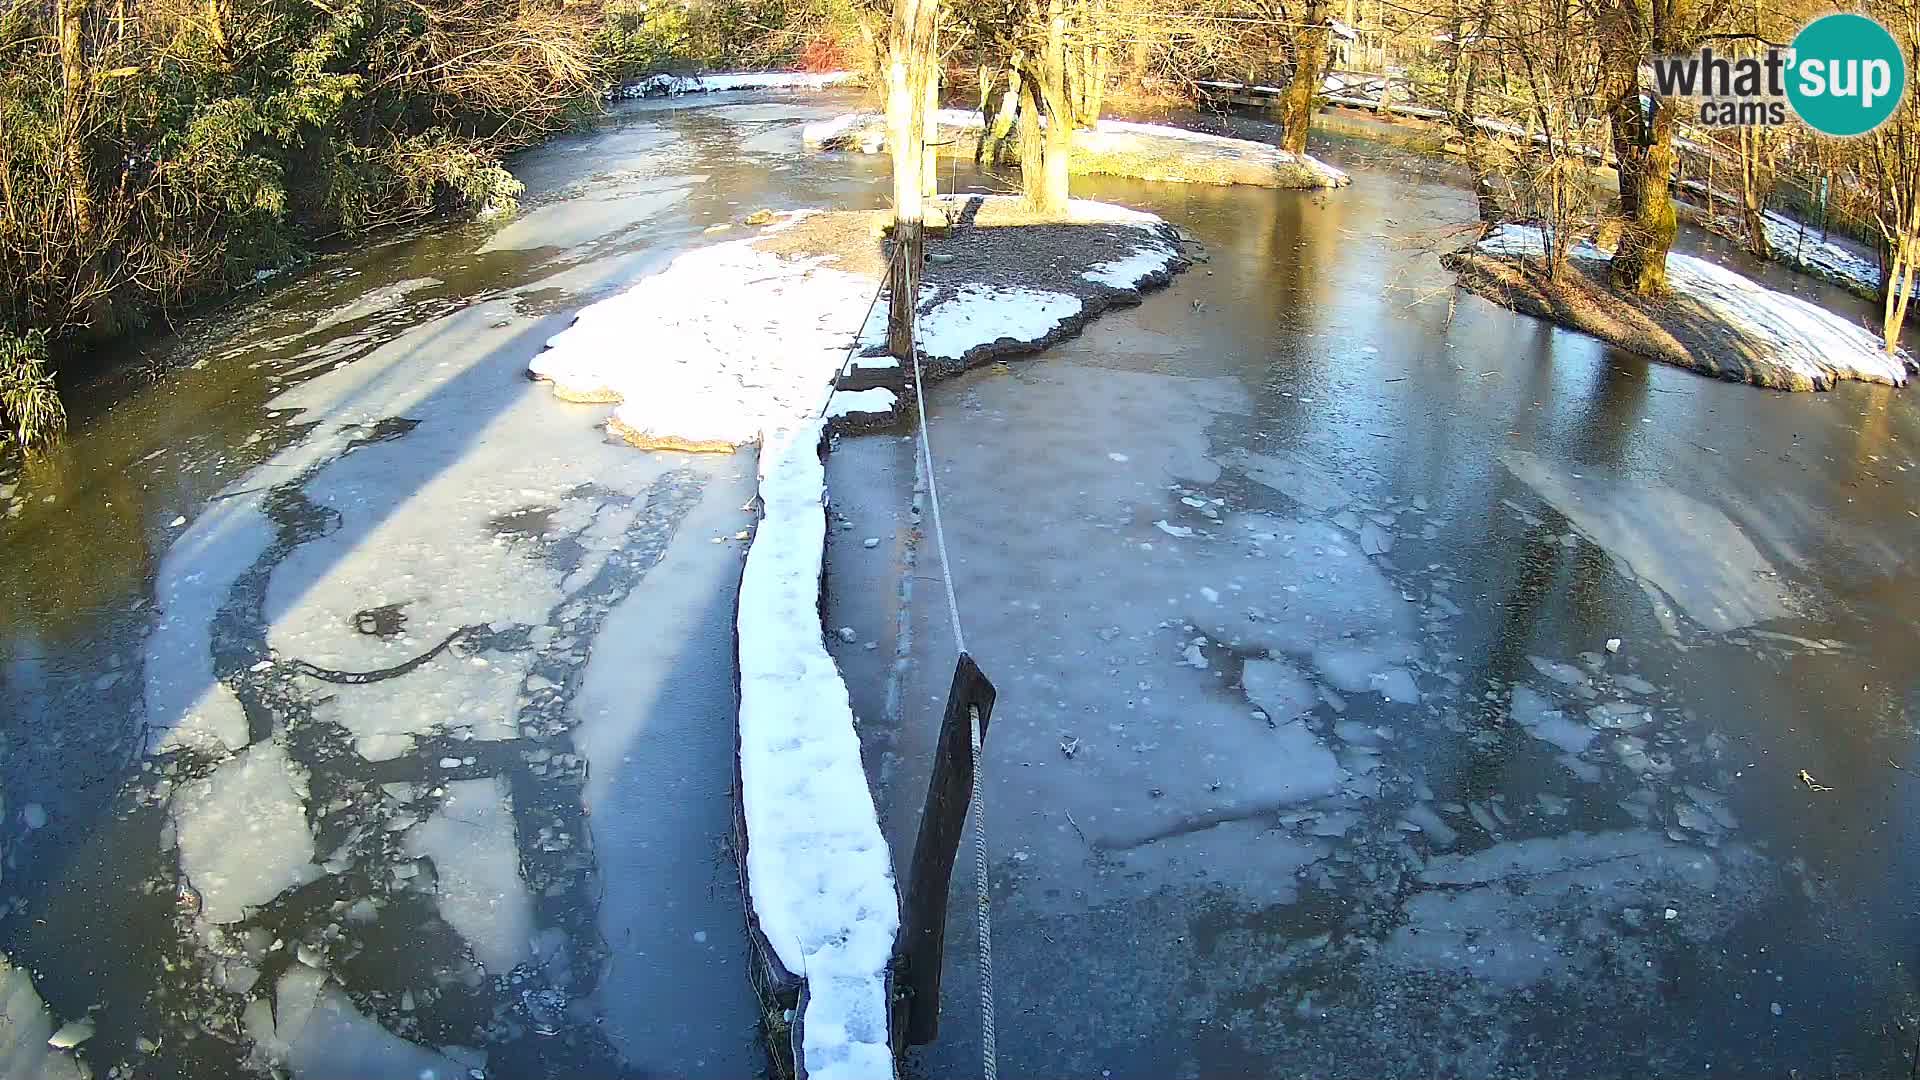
[(1845, 75)]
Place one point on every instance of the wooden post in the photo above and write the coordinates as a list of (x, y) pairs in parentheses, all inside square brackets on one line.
[(949, 791)]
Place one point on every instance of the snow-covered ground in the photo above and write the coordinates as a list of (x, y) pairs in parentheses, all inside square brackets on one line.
[(675, 85), (1795, 333), (1109, 139), (736, 340)]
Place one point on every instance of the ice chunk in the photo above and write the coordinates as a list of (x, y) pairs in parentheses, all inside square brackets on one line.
[(25, 1030), (1422, 814), (1294, 475), (1682, 552), (477, 863), (312, 1028), (243, 832), (1396, 685), (1278, 688)]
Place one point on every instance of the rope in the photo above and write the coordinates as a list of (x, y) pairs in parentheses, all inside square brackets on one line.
[(859, 339), (990, 1067)]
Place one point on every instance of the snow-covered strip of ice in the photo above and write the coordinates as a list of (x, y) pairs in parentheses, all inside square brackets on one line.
[(726, 341), (980, 314), (739, 80), (1802, 334), (817, 866)]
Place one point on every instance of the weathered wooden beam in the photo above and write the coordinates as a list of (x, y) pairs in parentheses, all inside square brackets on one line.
[(949, 791)]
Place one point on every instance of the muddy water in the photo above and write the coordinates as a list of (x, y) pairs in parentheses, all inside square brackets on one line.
[(342, 736), (1312, 756)]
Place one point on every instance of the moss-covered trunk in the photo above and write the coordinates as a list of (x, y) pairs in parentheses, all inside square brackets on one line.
[(1648, 220), (998, 121), (1309, 61)]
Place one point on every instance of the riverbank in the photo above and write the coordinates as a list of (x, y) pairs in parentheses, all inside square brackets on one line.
[(1713, 320)]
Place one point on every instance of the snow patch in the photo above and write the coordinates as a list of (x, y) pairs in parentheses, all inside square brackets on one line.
[(878, 401), (718, 366), (675, 85), (981, 314), (1132, 271)]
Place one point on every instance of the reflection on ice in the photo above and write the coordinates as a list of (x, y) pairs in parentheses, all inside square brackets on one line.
[(1686, 554)]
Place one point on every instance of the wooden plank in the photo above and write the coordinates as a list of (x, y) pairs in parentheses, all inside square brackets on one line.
[(949, 791)]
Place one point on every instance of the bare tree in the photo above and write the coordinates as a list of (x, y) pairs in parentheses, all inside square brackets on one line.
[(1893, 172)]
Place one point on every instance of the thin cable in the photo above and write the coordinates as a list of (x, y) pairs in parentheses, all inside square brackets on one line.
[(859, 337), (983, 892), (933, 486), (989, 1062)]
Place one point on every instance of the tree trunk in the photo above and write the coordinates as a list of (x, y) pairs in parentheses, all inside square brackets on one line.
[(1648, 229), (909, 69), (1309, 61), (930, 127), (999, 123), (217, 16), (1903, 270), (1045, 150), (76, 105), (1754, 180), (1463, 82)]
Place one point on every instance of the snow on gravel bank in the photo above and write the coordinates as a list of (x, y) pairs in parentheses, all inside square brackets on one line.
[(1797, 334), (1799, 247), (730, 345)]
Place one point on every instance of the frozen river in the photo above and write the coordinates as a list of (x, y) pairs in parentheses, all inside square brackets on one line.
[(1386, 691), (367, 713)]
